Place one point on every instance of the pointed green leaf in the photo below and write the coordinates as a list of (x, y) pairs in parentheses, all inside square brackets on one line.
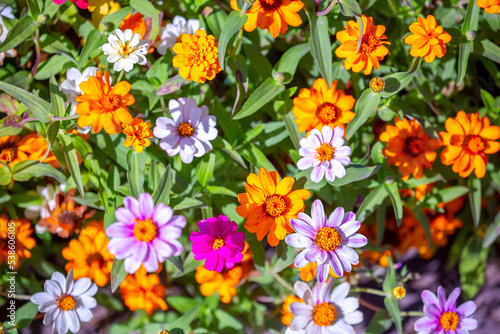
[(41, 109), (136, 163), (72, 160), (493, 232), (396, 82), (371, 202), (397, 204), (290, 60), (118, 274), (235, 21), (177, 262), (365, 108), (23, 29), (475, 199), (94, 40), (321, 47), (161, 192), (264, 94), (27, 169)]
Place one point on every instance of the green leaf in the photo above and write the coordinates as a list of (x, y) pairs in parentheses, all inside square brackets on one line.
[(34, 10), (493, 232), (27, 169), (264, 94), (40, 108), (475, 199), (72, 160), (364, 109), (285, 260), (355, 173), (446, 195), (182, 304), (396, 82), (226, 320), (235, 21), (390, 277), (321, 47), (5, 175), (379, 323), (397, 204), (216, 190), (118, 274), (257, 158), (185, 203), (290, 60), (185, 320), (487, 48), (424, 221), (466, 47), (257, 248), (177, 262), (136, 163), (371, 202), (144, 7), (161, 193), (207, 166), (94, 41), (391, 305), (376, 153), (472, 267), (23, 29), (25, 315), (350, 8), (57, 98)]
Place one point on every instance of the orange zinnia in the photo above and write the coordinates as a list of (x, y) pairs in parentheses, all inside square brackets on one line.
[(137, 133), (372, 48), (409, 148), (428, 39), (23, 240), (321, 106), (286, 315), (89, 256), (273, 15), (103, 106), (468, 140), (379, 258), (135, 23), (269, 204), (490, 6), (308, 272), (14, 149)]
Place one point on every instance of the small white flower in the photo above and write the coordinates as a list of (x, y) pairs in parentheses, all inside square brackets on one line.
[(124, 49), (66, 302), (43, 210), (5, 11), (171, 33), (189, 131)]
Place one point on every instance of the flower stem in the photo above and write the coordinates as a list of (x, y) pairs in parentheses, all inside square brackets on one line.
[(412, 314), (67, 118), (17, 297), (370, 291), (240, 35), (120, 76), (283, 282)]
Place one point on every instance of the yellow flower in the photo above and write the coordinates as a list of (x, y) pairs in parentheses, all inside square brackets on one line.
[(428, 39), (104, 8), (137, 133), (286, 315)]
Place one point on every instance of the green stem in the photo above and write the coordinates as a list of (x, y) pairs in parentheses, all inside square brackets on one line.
[(370, 291), (240, 35), (412, 314), (284, 283), (120, 76), (67, 118)]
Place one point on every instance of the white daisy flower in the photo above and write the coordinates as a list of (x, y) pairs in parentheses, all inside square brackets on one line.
[(323, 310), (43, 210), (173, 31), (5, 11), (124, 49), (188, 132), (66, 302)]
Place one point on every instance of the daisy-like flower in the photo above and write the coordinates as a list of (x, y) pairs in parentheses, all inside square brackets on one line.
[(286, 315), (322, 106), (66, 302), (269, 204), (328, 242), (490, 6), (145, 234), (428, 39), (273, 15), (443, 316), (48, 204), (189, 131), (218, 243), (467, 140), (23, 240), (197, 56), (135, 23), (372, 49), (138, 133), (325, 153), (171, 34), (124, 49), (409, 148), (83, 4), (323, 310), (14, 149)]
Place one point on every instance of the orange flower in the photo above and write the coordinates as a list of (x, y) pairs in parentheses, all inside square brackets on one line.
[(273, 15), (468, 140), (89, 256), (197, 57), (490, 6), (143, 291), (308, 272), (137, 133), (428, 39), (135, 23), (409, 148), (321, 106), (286, 315), (372, 48), (103, 106), (269, 204), (419, 191), (377, 257), (21, 230), (13, 149)]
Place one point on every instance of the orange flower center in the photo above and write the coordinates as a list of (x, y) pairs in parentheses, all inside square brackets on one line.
[(110, 102), (369, 43), (66, 303), (326, 113), (7, 155), (275, 205), (324, 314), (218, 243), (449, 321), (414, 146), (67, 220), (145, 230), (185, 129), (430, 34), (94, 259), (270, 5), (325, 152), (136, 132), (328, 239), (475, 144)]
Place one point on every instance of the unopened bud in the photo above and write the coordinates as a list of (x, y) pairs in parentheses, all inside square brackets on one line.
[(41, 18), (279, 77), (377, 84), (398, 292), (470, 35), (103, 27)]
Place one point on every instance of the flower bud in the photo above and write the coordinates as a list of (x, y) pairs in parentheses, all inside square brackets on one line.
[(377, 84), (103, 27), (279, 77), (470, 35), (41, 18), (398, 292)]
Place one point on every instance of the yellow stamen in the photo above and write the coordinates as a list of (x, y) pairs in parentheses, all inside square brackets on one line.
[(325, 152), (66, 303), (324, 314), (145, 230), (275, 205), (326, 113), (185, 129), (449, 321), (328, 239), (218, 243)]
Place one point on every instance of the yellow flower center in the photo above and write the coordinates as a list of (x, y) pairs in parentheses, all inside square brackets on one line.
[(218, 243), (475, 144), (137, 132), (270, 5), (328, 239), (414, 146), (449, 321), (110, 102), (324, 314), (398, 292), (369, 43), (185, 129), (275, 205), (66, 303), (325, 152), (7, 155), (145, 230), (326, 113), (430, 34), (126, 49)]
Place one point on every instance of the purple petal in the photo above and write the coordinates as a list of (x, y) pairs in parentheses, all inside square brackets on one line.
[(124, 216), (132, 205), (119, 230), (300, 260), (296, 240), (318, 212), (303, 228), (424, 325), (349, 228), (336, 217), (467, 308), (356, 240), (441, 298), (322, 271), (146, 205), (451, 303), (300, 309), (468, 324), (317, 174), (429, 298), (162, 214)]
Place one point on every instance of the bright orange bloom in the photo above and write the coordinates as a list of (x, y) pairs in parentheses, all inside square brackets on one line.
[(273, 15), (418, 192), (321, 106), (308, 272), (103, 106), (22, 231), (428, 39), (143, 291), (14, 149), (467, 140), (197, 57), (372, 49), (490, 6), (137, 133), (269, 204), (409, 148), (377, 257), (286, 315), (89, 256), (135, 23)]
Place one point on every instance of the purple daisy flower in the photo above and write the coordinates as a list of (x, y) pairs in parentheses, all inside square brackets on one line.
[(328, 242), (145, 233), (218, 243), (443, 316), (323, 151)]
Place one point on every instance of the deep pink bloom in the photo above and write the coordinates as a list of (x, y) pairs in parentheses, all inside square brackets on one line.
[(83, 4), (218, 243)]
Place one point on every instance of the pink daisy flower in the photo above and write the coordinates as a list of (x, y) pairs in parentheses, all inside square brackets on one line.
[(218, 243), (83, 4), (145, 233)]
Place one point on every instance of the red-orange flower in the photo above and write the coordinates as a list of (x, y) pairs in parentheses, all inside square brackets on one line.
[(14, 149), (428, 39), (138, 134), (135, 23), (21, 231), (490, 6)]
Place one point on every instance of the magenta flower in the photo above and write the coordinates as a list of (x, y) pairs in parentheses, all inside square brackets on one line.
[(83, 4), (443, 316), (218, 243), (145, 233)]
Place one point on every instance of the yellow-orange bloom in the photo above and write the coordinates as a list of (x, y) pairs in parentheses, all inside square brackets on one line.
[(269, 204), (409, 148), (273, 15), (379, 258), (428, 39), (14, 149), (197, 56), (21, 230), (135, 23), (490, 6), (308, 272), (372, 49), (286, 315), (103, 106), (137, 133), (467, 140), (89, 256), (321, 106)]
